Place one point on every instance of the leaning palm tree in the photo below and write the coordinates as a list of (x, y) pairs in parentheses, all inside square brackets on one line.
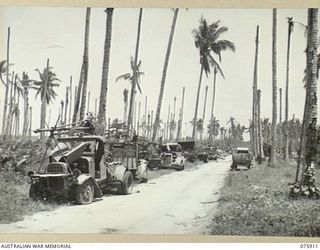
[(274, 89), (206, 40), (45, 89), (105, 70), (156, 123)]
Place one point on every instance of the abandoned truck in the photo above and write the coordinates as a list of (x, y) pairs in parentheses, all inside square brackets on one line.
[(241, 156), (77, 170), (172, 156)]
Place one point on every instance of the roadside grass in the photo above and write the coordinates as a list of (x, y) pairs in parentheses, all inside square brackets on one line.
[(256, 203), (15, 203)]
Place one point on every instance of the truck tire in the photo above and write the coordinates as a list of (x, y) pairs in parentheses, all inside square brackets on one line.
[(33, 192), (127, 183), (181, 167), (85, 193)]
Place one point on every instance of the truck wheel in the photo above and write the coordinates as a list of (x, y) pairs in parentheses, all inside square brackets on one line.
[(127, 183), (33, 192), (85, 193), (181, 167)]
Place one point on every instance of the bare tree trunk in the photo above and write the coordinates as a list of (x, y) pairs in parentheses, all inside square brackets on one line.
[(213, 100), (30, 123), (5, 105), (280, 122), (138, 129), (197, 104), (164, 74), (135, 76), (66, 106), (88, 103), (105, 70), (286, 132), (274, 89), (70, 105), (44, 103), (85, 64), (181, 115), (204, 109), (260, 139), (254, 98)]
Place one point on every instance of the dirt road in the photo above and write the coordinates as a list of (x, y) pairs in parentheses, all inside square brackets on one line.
[(176, 203)]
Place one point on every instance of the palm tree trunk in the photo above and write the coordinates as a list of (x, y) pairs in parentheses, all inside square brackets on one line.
[(135, 76), (88, 103), (105, 70), (286, 132), (30, 123), (260, 139), (85, 65), (280, 125), (10, 114), (70, 104), (66, 106), (254, 98), (138, 125), (25, 112), (274, 89), (164, 74), (181, 115), (213, 100), (197, 104), (312, 136), (5, 105), (44, 103), (204, 109)]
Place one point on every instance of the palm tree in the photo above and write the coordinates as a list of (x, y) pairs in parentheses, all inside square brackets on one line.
[(5, 107), (274, 89), (254, 139), (85, 66), (213, 128), (135, 66), (25, 82), (181, 115), (45, 88), (125, 108), (204, 107), (206, 40), (105, 70), (286, 133), (82, 87), (156, 124), (311, 122)]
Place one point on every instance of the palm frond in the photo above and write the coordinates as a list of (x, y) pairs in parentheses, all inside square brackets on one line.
[(124, 77)]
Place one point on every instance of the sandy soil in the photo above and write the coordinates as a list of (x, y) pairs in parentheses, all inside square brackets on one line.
[(175, 203)]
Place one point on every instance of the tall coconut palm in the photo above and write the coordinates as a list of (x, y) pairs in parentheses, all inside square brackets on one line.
[(181, 115), (125, 105), (135, 67), (311, 122), (274, 88), (79, 108), (105, 70), (156, 124), (5, 107), (45, 89), (286, 133), (206, 40), (85, 65), (254, 127), (204, 107), (26, 83)]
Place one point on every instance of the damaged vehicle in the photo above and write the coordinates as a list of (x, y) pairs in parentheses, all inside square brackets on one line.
[(127, 154), (77, 169), (172, 157), (241, 157)]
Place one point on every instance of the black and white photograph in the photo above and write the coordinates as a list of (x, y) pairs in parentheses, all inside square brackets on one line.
[(159, 121)]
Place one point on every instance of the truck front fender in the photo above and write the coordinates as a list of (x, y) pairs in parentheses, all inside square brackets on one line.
[(119, 172), (83, 178)]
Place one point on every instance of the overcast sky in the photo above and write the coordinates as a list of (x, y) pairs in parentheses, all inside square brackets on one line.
[(58, 33)]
